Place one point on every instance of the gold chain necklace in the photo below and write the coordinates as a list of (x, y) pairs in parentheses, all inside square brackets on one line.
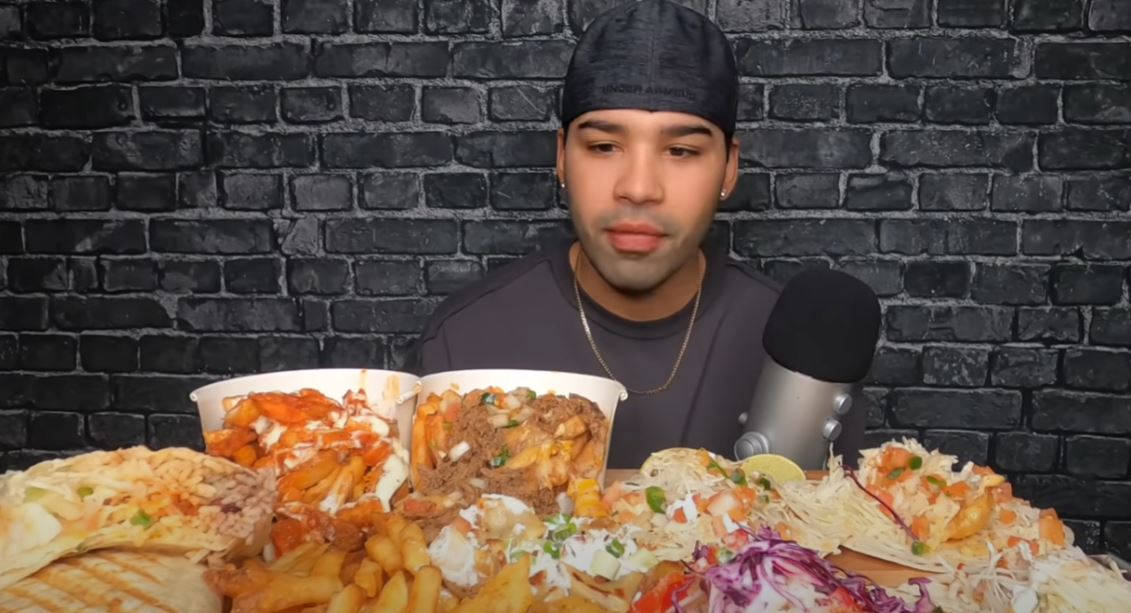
[(597, 353)]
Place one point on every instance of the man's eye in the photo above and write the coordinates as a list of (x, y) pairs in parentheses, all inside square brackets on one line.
[(602, 148), (683, 152)]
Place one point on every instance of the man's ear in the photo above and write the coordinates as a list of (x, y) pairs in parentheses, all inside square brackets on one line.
[(730, 175), (561, 155)]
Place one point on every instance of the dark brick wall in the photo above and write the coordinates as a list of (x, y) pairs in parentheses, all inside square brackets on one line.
[(193, 190)]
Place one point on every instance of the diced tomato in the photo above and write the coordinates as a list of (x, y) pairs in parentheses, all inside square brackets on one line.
[(1007, 517), (659, 598), (679, 516), (843, 601), (747, 496), (957, 490), (1051, 529), (894, 457), (920, 527), (287, 534), (736, 540), (888, 499), (1002, 493)]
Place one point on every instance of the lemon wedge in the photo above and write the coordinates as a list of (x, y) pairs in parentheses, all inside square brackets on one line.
[(779, 469)]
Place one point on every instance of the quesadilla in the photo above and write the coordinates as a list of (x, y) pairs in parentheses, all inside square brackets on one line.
[(114, 580), (174, 499)]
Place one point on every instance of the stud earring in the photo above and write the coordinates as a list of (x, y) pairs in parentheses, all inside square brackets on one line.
[(723, 194), (561, 184)]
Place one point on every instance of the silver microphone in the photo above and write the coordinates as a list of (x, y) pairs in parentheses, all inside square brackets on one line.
[(820, 340)]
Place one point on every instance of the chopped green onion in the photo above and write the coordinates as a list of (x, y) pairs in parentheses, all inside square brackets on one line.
[(552, 548), (569, 530), (531, 395), (141, 518), (765, 483), (895, 473), (615, 548), (558, 519), (85, 491), (512, 423), (935, 481), (738, 477), (919, 548), (713, 465), (657, 501), (916, 462), (488, 398), (502, 458)]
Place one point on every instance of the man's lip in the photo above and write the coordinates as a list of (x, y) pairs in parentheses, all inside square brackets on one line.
[(635, 228)]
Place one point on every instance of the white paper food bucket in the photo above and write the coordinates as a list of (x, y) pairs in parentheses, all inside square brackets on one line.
[(605, 393), (391, 393)]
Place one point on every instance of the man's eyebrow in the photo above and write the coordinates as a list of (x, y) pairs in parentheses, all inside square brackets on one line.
[(686, 130), (602, 125)]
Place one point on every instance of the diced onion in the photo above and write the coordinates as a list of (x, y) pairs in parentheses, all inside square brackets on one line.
[(458, 450)]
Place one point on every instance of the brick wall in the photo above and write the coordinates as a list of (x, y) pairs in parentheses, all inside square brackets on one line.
[(191, 191)]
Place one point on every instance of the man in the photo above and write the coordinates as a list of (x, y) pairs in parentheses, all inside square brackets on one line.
[(645, 153)]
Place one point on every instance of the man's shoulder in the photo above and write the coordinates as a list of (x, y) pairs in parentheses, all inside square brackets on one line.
[(495, 285), (743, 277)]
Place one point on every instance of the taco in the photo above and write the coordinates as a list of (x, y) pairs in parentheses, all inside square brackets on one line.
[(909, 506)]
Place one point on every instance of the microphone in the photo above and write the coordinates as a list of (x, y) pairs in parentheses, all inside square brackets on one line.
[(820, 340)]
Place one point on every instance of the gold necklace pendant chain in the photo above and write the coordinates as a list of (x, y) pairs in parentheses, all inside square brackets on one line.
[(597, 353)]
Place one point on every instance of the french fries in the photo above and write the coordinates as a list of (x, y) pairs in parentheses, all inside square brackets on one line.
[(385, 552), (394, 596), (349, 600), (369, 577), (424, 596), (391, 572)]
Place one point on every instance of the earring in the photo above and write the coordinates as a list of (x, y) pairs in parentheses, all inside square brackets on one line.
[(723, 194), (562, 184)]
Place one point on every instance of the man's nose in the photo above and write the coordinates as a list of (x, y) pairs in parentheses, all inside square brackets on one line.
[(640, 182)]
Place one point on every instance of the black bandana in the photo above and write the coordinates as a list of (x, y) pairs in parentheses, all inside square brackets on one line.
[(653, 55)]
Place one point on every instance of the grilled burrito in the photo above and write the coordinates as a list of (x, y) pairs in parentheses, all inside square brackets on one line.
[(174, 500), (114, 580)]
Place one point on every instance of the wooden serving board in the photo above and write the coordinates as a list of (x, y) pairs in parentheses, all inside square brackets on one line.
[(884, 573)]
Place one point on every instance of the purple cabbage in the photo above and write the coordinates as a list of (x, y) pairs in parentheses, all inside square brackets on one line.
[(770, 562)]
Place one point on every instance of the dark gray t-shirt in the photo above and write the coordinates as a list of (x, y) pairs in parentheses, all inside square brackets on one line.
[(525, 316)]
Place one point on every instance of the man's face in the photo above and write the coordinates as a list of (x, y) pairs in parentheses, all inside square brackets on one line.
[(643, 187)]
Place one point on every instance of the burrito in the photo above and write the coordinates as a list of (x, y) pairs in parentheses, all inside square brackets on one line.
[(114, 580), (175, 500)]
